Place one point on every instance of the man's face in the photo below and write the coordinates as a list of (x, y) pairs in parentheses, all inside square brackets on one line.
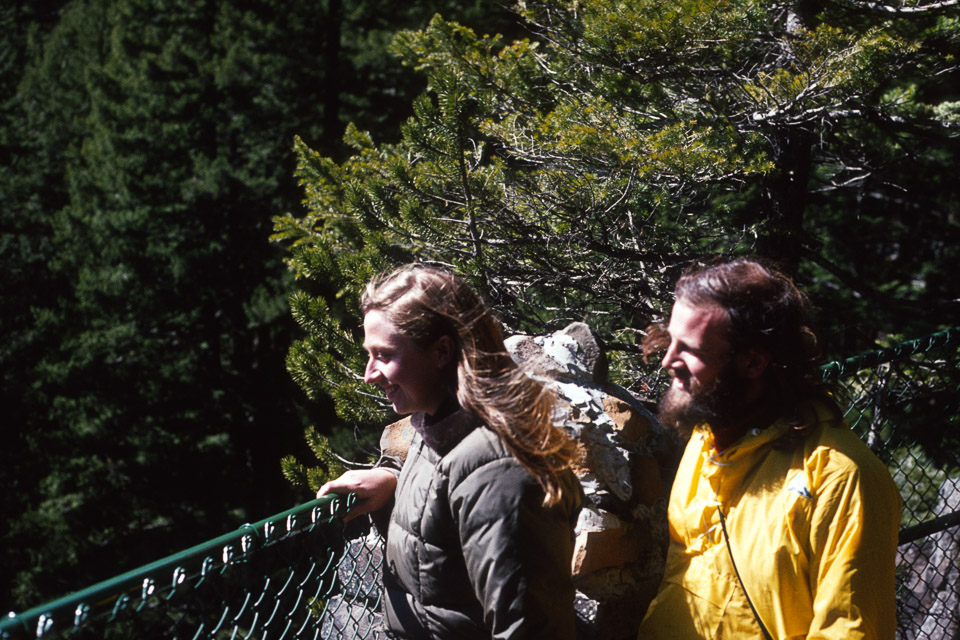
[(699, 345), (706, 386)]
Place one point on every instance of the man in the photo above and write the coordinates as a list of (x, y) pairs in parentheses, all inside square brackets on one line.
[(772, 485)]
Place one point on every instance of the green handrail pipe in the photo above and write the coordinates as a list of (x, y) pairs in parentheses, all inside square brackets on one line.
[(141, 583)]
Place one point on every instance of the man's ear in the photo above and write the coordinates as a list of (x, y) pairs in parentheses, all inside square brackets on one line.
[(753, 363), (445, 350)]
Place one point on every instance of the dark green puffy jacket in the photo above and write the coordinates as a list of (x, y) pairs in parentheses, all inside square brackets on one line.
[(471, 550)]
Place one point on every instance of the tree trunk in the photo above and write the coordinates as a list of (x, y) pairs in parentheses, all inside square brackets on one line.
[(785, 199)]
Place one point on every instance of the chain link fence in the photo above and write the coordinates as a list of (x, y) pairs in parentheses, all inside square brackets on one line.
[(296, 574), (289, 576)]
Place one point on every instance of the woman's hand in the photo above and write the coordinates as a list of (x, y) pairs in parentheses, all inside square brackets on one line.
[(373, 487)]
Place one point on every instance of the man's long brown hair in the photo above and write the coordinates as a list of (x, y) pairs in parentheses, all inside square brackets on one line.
[(766, 311), (426, 303)]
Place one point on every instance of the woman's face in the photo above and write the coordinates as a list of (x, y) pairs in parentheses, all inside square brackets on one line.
[(413, 378)]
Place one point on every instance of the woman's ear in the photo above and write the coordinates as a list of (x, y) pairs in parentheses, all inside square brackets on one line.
[(445, 350)]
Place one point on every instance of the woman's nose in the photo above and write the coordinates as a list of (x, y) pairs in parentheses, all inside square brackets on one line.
[(370, 373)]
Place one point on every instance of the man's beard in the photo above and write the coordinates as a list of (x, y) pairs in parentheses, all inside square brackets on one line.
[(715, 405)]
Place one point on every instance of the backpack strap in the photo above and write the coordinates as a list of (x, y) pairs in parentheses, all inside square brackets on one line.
[(726, 538)]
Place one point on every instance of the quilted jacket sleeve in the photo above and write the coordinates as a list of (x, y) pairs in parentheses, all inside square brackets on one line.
[(517, 552)]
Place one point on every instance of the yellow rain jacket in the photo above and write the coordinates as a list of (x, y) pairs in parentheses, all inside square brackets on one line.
[(813, 531)]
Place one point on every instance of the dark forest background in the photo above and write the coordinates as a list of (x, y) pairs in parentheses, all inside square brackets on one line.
[(146, 146)]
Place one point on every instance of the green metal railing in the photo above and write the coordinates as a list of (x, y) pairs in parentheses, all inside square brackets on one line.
[(294, 576), (289, 576)]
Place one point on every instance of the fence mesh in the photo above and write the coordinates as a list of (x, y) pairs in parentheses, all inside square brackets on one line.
[(289, 576), (295, 576)]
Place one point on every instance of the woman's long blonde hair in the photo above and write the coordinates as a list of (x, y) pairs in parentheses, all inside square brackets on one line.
[(426, 303)]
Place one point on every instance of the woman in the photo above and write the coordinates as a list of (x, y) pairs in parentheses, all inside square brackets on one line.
[(481, 530)]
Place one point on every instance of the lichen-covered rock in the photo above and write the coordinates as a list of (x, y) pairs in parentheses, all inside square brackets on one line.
[(354, 612), (396, 438), (626, 461), (929, 591)]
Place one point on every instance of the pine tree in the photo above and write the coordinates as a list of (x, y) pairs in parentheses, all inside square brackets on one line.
[(572, 175), (147, 361)]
